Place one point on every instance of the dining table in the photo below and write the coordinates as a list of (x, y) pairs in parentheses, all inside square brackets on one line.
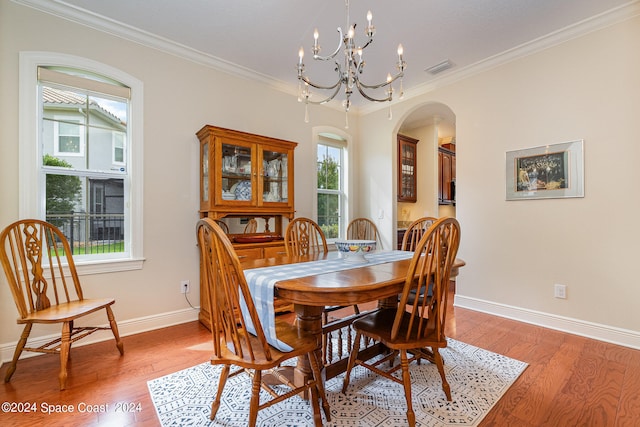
[(315, 281)]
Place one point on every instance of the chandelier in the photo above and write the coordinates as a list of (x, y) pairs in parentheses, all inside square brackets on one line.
[(348, 70)]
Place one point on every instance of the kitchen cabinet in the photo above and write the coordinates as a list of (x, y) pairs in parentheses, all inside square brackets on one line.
[(407, 169), (447, 176)]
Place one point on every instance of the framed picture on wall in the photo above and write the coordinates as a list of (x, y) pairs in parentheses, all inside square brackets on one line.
[(546, 172)]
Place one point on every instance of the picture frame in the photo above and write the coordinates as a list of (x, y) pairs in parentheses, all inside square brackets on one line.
[(546, 172)]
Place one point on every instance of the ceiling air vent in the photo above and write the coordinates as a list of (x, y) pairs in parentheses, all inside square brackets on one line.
[(438, 68)]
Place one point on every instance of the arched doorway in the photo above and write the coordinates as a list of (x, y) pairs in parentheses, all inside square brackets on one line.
[(433, 124)]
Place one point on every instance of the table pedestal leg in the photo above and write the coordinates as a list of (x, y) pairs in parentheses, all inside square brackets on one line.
[(308, 319), (391, 302)]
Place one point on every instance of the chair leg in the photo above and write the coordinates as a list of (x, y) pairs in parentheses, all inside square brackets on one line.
[(114, 329), (16, 354), (317, 417), (65, 347), (440, 364), (221, 382), (255, 398), (315, 367), (352, 361), (406, 381)]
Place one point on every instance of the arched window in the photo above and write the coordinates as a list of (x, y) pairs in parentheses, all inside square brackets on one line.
[(81, 168)]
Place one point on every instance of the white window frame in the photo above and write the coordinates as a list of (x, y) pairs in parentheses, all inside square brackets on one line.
[(32, 197), (324, 135)]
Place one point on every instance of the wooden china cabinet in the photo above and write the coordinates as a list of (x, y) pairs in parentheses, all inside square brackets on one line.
[(248, 176)]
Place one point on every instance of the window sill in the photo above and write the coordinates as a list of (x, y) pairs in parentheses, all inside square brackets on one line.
[(108, 266)]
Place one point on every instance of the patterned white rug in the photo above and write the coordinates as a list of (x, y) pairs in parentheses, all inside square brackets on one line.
[(478, 379)]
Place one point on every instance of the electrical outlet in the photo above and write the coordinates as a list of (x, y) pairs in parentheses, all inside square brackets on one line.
[(560, 291), (184, 287)]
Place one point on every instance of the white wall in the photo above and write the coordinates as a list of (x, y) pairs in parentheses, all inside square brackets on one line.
[(180, 97), (587, 88)]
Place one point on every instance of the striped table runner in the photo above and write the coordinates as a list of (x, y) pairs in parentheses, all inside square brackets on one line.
[(262, 280)]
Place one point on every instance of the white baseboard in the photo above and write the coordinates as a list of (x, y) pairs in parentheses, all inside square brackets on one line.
[(127, 327), (624, 337)]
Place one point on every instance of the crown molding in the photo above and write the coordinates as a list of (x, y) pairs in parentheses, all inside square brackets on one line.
[(107, 25), (82, 16)]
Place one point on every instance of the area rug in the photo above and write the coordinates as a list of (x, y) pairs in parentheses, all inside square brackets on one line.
[(478, 379)]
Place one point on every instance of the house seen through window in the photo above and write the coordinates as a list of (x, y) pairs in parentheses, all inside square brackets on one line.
[(84, 134)]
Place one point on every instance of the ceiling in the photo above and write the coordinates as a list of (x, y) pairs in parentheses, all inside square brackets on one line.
[(263, 37)]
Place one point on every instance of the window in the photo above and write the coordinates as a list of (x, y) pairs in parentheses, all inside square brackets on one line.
[(68, 137), (331, 198), (119, 147), (87, 170)]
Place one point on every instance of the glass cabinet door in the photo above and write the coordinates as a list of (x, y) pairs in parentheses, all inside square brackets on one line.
[(204, 184), (407, 169), (237, 172), (275, 171)]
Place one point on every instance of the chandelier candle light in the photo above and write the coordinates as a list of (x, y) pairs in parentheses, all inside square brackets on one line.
[(348, 71)]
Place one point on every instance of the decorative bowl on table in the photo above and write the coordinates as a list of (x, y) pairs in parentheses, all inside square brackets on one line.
[(355, 250)]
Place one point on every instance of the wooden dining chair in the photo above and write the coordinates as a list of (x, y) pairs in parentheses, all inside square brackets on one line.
[(226, 288), (363, 229), (415, 231), (222, 225), (251, 227), (303, 236), (38, 262), (412, 236), (417, 330)]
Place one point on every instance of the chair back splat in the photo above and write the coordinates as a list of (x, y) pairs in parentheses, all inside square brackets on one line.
[(416, 327), (38, 263), (227, 290), (304, 236), (38, 252)]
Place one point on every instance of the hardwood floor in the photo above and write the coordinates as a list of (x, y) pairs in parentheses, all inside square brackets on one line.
[(570, 381)]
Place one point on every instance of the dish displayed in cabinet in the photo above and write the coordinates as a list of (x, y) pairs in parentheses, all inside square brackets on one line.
[(242, 190)]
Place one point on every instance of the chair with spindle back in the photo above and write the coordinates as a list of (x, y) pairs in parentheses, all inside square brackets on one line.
[(363, 229), (415, 330), (222, 225), (37, 260), (304, 236), (251, 227), (412, 236), (226, 289), (415, 231)]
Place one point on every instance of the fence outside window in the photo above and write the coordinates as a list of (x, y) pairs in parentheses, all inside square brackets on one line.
[(91, 233)]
